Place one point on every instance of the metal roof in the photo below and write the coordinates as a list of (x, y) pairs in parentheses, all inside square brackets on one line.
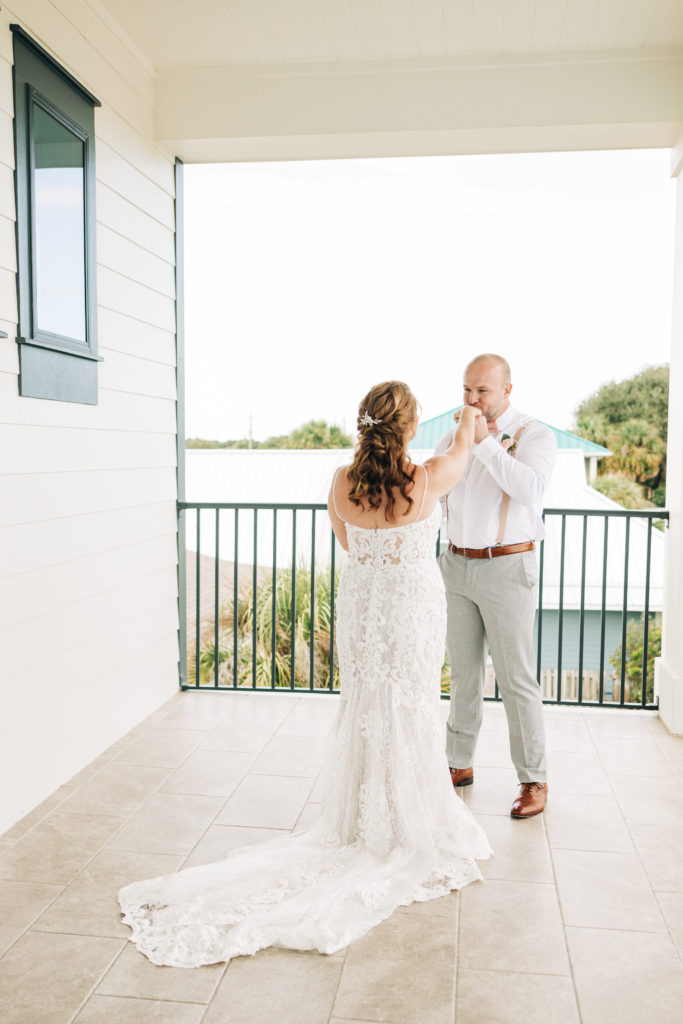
[(431, 431)]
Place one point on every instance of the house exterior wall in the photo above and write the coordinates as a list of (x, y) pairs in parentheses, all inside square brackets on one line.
[(88, 563), (571, 627)]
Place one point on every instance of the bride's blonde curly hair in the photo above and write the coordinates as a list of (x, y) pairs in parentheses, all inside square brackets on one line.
[(384, 416)]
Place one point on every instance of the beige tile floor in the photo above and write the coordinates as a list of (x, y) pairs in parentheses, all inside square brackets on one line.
[(579, 919)]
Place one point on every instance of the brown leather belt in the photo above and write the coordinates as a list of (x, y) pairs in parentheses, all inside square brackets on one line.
[(492, 552)]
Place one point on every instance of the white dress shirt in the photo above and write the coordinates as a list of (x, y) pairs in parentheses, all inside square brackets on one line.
[(474, 503)]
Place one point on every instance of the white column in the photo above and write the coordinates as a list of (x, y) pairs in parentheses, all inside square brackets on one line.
[(669, 668)]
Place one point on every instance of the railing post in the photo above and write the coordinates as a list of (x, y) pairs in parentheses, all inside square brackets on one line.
[(624, 617), (254, 603), (182, 598), (217, 583), (198, 595), (583, 607), (646, 614), (312, 605), (235, 600)]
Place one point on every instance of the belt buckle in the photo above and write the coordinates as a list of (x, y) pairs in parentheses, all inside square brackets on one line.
[(489, 553)]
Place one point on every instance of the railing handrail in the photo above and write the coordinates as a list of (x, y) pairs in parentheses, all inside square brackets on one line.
[(631, 513), (306, 506)]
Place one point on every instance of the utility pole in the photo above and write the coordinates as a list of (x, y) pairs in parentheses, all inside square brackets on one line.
[(251, 425)]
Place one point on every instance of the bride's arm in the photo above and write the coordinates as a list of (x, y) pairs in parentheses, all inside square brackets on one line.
[(445, 470), (338, 524)]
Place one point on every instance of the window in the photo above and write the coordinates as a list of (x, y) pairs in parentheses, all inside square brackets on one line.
[(54, 138)]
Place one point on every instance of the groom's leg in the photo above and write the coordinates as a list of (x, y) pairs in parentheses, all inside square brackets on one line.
[(466, 645), (507, 598)]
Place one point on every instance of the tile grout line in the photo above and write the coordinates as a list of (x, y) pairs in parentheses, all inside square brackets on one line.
[(144, 999), (675, 776), (338, 986), (637, 854), (226, 967), (456, 959), (98, 981), (561, 910), (29, 926)]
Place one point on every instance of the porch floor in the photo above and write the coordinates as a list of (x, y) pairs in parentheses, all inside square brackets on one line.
[(580, 917)]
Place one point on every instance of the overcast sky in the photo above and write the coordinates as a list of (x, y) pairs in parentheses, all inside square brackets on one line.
[(307, 283)]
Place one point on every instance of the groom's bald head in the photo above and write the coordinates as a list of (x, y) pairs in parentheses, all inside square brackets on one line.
[(489, 360)]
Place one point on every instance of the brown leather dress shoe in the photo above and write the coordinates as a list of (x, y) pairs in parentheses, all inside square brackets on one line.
[(531, 800), (462, 777)]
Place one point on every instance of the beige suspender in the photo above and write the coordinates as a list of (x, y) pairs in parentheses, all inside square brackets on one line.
[(505, 502)]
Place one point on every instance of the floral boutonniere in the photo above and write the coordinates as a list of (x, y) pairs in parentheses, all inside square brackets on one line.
[(509, 444)]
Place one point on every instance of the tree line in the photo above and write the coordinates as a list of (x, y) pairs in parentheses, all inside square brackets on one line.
[(630, 418), (313, 434)]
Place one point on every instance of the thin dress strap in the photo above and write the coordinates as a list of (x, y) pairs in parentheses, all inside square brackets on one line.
[(424, 495)]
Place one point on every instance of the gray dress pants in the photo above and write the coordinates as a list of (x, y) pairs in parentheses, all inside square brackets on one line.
[(491, 605)]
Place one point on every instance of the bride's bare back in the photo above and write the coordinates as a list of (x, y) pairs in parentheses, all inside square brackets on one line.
[(375, 519)]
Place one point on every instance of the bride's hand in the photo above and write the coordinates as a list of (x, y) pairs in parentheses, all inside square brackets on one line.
[(462, 414)]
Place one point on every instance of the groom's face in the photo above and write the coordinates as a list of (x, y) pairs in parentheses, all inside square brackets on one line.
[(485, 388)]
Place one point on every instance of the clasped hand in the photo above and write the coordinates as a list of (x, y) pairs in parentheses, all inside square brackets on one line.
[(481, 429)]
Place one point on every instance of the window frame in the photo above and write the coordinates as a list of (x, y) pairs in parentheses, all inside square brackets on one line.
[(52, 366)]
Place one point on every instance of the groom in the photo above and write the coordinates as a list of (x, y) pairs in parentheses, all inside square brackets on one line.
[(494, 521)]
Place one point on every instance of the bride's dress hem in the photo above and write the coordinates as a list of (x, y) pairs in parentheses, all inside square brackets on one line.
[(194, 942)]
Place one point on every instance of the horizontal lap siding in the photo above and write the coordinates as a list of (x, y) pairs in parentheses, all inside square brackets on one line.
[(40, 591), (88, 586)]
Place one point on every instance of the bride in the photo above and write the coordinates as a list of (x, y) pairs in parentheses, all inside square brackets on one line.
[(391, 830)]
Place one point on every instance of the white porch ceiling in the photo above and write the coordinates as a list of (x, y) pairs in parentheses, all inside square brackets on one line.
[(301, 79), (174, 33)]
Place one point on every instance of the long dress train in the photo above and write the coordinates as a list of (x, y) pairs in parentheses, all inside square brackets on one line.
[(391, 830)]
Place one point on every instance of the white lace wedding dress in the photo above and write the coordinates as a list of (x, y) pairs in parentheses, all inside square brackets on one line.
[(391, 830)]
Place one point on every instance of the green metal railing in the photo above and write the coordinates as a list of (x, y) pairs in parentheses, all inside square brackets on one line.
[(272, 625), (650, 517)]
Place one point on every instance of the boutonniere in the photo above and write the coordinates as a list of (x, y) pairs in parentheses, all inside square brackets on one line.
[(509, 444)]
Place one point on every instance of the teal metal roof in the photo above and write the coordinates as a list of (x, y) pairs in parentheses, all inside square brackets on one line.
[(430, 431)]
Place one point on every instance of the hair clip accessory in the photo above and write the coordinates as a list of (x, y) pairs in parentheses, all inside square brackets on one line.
[(367, 421)]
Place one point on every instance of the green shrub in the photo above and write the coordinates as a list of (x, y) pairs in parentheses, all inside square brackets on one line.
[(635, 642), (255, 638)]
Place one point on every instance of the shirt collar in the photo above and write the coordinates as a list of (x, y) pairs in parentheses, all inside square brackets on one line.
[(506, 419)]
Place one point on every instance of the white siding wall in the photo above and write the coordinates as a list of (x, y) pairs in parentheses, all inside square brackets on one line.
[(87, 514)]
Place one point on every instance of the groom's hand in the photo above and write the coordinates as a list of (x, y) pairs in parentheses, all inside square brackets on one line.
[(481, 429)]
